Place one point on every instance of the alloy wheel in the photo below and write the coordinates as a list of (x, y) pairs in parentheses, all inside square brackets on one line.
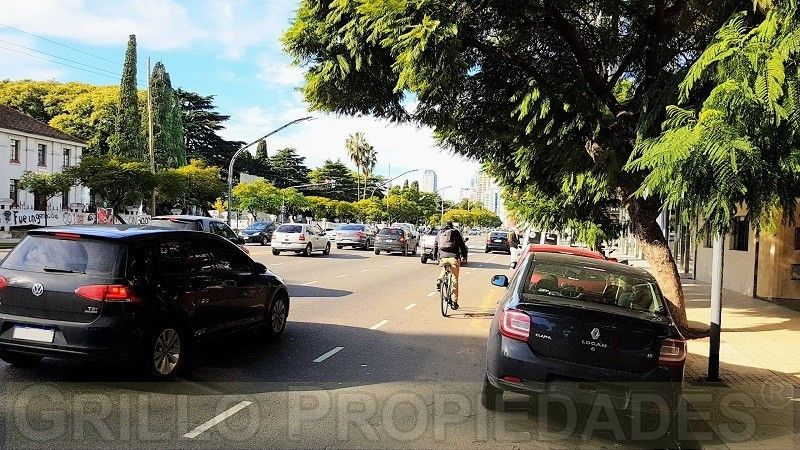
[(167, 351), (278, 319)]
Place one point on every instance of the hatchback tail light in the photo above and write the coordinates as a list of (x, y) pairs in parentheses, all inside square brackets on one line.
[(3, 283), (673, 352), (515, 324), (302, 237), (107, 293), (402, 239), (360, 234)]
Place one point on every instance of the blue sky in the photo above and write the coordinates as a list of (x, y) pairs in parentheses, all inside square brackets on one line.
[(230, 49)]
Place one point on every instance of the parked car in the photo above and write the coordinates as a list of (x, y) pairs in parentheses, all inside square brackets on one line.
[(412, 233), (355, 235), (474, 232), (394, 240), (562, 249), (127, 293), (199, 223), (500, 241), (260, 232), (571, 318), (300, 238), (427, 242)]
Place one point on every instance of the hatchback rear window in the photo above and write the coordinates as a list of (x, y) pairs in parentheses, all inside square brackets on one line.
[(49, 254), (391, 232), (499, 235), (351, 228), (174, 224), (289, 229)]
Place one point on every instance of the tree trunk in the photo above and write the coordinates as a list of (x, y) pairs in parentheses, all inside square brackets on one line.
[(651, 240)]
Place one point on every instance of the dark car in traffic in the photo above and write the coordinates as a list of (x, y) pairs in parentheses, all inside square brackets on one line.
[(141, 295), (258, 232), (394, 240), (581, 322), (500, 241)]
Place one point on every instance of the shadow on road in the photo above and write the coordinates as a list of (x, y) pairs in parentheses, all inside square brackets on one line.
[(296, 290)]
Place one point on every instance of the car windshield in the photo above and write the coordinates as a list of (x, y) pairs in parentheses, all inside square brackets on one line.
[(174, 224), (258, 226), (577, 283), (351, 228), (50, 254), (289, 229)]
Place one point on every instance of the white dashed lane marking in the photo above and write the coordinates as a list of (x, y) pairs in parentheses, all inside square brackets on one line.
[(308, 283), (379, 324), (328, 354), (410, 306), (216, 420)]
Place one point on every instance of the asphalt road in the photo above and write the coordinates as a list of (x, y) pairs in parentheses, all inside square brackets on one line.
[(367, 361)]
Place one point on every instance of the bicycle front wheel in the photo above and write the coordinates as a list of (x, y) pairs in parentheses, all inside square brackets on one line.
[(445, 294)]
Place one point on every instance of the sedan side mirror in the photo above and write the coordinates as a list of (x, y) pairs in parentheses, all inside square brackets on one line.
[(239, 240), (260, 268), (500, 281)]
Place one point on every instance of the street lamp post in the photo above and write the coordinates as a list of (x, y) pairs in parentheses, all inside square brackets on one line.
[(437, 191), (239, 152)]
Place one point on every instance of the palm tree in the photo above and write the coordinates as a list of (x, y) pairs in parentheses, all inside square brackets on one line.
[(368, 162), (356, 144)]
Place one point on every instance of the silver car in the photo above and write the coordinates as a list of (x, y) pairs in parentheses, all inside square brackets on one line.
[(300, 238), (355, 235)]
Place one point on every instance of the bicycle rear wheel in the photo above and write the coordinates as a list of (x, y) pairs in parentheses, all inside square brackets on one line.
[(445, 294)]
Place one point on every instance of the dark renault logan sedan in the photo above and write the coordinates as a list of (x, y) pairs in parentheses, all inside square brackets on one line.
[(130, 294), (571, 323)]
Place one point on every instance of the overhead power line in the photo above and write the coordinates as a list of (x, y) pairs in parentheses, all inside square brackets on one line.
[(60, 57), (56, 62), (61, 44)]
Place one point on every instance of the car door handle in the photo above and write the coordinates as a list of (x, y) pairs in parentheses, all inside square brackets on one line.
[(229, 283)]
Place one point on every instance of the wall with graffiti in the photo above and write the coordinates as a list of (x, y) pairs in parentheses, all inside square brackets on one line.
[(27, 217)]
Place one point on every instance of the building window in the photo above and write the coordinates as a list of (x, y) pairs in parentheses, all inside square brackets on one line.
[(13, 192), (740, 234), (65, 199), (708, 238), (797, 238), (42, 154), (15, 150), (67, 154)]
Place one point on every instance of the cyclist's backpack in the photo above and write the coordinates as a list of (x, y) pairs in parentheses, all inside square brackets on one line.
[(446, 240)]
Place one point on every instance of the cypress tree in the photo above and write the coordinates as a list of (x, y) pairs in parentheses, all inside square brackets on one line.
[(126, 140), (169, 145)]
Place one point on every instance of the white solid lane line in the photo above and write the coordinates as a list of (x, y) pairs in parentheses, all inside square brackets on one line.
[(379, 324), (340, 276), (309, 283), (410, 306), (329, 354), (385, 266), (366, 270), (227, 413)]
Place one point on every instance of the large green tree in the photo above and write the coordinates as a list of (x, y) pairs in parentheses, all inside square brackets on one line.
[(169, 145), (201, 127), (552, 95), (127, 138), (46, 185), (195, 184), (288, 168), (346, 180)]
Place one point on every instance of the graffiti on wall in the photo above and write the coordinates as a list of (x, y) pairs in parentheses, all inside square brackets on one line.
[(26, 217)]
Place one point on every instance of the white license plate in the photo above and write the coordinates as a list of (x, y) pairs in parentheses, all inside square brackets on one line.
[(497, 240), (33, 334)]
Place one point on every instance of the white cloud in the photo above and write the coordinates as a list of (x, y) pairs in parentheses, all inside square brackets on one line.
[(277, 73), (158, 24), (403, 147)]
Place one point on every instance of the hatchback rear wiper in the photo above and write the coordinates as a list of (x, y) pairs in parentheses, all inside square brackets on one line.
[(52, 269)]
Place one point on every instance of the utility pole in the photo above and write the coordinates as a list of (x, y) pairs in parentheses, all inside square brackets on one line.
[(717, 264), (150, 143)]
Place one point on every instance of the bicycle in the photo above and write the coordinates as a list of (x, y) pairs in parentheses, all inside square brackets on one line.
[(446, 290)]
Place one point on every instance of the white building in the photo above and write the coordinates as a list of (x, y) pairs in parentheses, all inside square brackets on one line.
[(487, 192), (430, 181), (28, 145)]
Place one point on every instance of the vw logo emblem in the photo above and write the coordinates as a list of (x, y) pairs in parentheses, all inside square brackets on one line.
[(595, 333), (37, 289)]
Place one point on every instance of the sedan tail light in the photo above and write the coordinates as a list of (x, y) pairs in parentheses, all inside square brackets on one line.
[(107, 293), (360, 234), (515, 324), (3, 283), (302, 237), (673, 352)]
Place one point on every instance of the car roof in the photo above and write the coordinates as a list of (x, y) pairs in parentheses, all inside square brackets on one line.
[(188, 217), (565, 250), (115, 232), (613, 267)]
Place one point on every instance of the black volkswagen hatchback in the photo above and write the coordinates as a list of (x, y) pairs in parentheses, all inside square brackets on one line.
[(569, 323), (141, 294)]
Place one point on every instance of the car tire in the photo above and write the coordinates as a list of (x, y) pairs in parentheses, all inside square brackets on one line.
[(276, 252), (367, 245), (264, 241), (423, 259), (278, 312), (487, 250), (165, 352), (327, 250), (405, 251), (377, 252), (414, 251), (20, 359), (339, 247), (307, 251), (491, 397)]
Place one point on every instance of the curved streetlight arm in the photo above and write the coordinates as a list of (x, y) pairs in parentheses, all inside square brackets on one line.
[(239, 152), (390, 180)]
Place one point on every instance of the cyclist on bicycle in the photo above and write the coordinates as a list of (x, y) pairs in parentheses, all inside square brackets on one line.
[(452, 252)]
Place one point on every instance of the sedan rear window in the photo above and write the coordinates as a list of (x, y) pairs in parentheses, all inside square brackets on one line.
[(49, 254), (499, 235), (289, 229), (579, 283), (174, 224), (351, 228), (391, 232)]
